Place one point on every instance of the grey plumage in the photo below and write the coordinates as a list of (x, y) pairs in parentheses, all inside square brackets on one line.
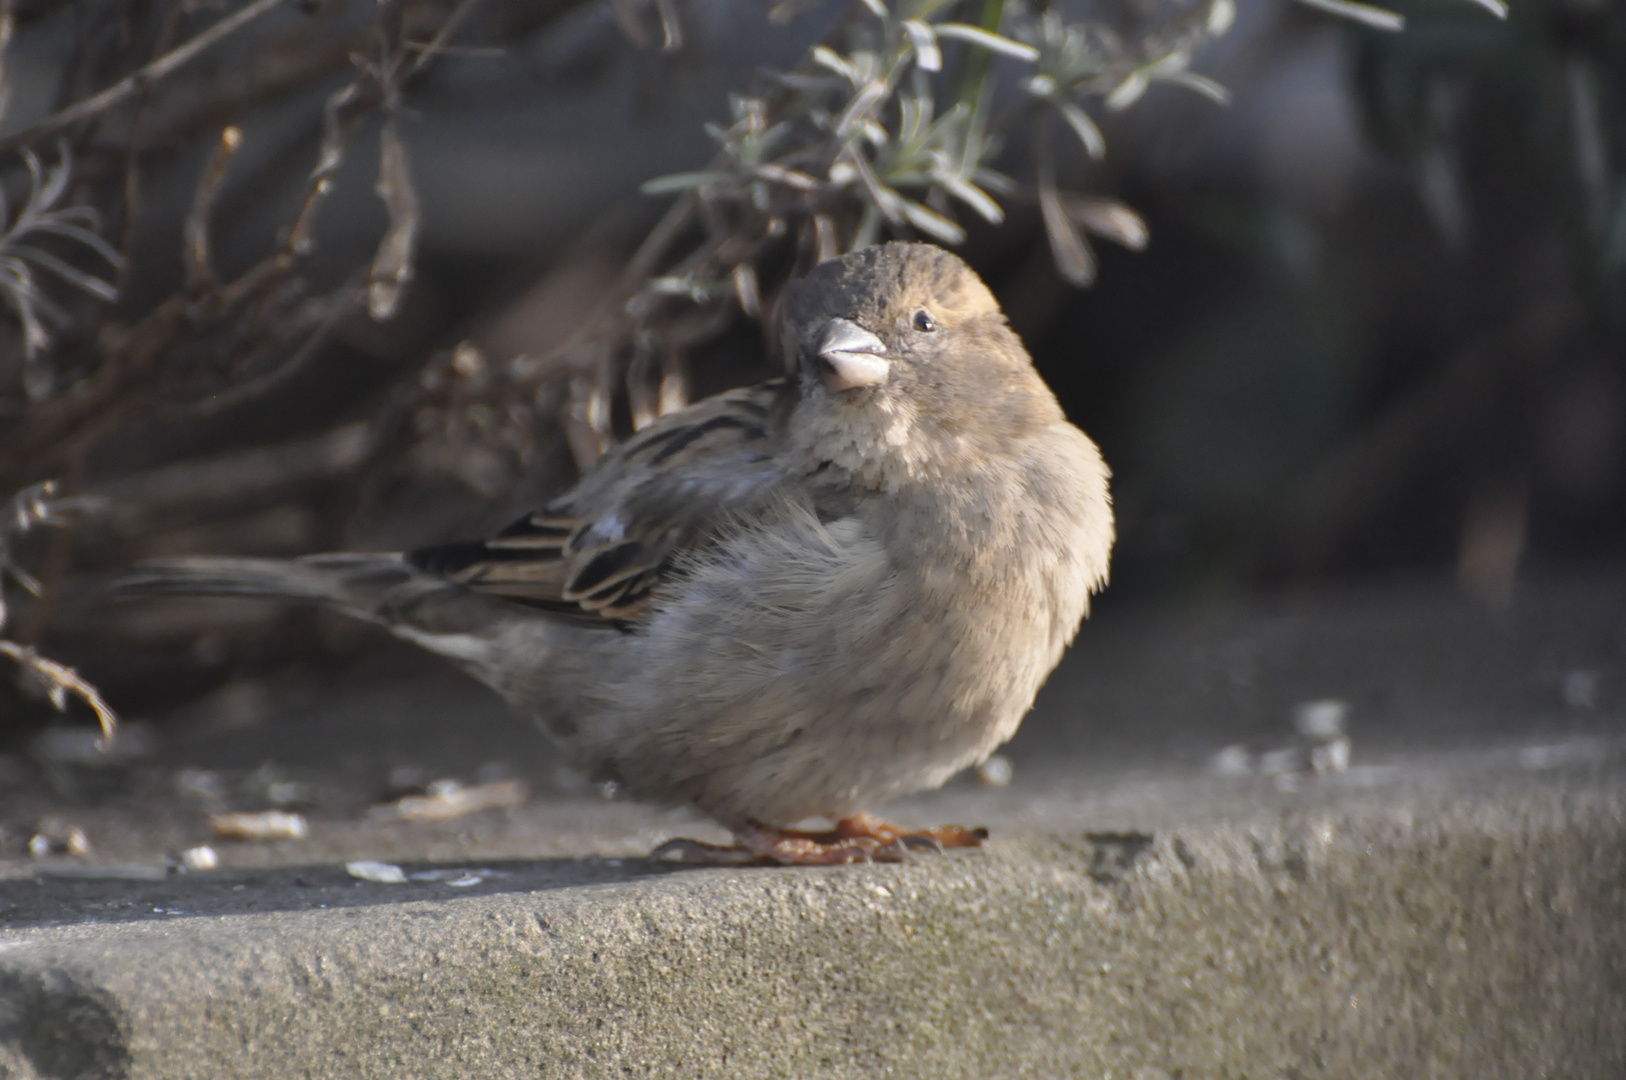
[(792, 600)]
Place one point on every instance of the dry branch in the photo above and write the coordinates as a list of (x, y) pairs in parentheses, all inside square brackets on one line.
[(60, 681), (140, 79)]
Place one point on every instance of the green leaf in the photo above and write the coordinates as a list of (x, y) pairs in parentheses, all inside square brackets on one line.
[(684, 181)]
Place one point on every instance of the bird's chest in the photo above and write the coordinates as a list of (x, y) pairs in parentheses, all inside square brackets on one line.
[(983, 609)]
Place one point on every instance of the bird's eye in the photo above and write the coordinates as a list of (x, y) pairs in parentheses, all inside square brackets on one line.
[(924, 321)]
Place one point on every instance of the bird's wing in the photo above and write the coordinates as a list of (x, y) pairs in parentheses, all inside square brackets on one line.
[(602, 549)]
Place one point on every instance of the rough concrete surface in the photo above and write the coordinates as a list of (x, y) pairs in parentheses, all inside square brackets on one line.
[(1446, 908)]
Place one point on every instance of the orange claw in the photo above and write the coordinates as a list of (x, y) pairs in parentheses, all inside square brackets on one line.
[(860, 838)]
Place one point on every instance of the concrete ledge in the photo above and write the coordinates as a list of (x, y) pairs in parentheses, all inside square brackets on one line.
[(1464, 920)]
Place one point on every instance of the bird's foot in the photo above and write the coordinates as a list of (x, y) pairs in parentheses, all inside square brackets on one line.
[(937, 838), (861, 838)]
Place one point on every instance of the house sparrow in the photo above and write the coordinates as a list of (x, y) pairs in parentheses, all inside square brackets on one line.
[(794, 600)]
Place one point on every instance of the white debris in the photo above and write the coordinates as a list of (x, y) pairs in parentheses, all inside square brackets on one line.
[(458, 878), (202, 857), (1331, 756), (382, 873), (1321, 721), (267, 825), (53, 838), (1233, 760), (448, 799)]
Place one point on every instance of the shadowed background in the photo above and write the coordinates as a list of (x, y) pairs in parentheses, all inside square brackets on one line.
[(1376, 336)]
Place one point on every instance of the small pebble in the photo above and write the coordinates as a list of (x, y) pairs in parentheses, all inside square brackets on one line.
[(53, 838)]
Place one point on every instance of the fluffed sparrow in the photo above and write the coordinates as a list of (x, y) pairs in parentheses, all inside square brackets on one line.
[(795, 600)]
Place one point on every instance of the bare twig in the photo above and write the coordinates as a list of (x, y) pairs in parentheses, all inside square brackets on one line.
[(132, 150), (35, 506), (137, 80), (200, 272), (427, 53), (247, 478), (8, 24), (61, 681), (328, 311), (392, 265)]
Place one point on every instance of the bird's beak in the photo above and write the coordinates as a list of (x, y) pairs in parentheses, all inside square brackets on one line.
[(852, 356)]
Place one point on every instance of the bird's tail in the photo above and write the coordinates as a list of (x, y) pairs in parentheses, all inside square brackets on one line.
[(352, 582), (499, 643), (385, 589)]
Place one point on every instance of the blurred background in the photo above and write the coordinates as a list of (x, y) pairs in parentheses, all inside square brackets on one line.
[(1340, 290)]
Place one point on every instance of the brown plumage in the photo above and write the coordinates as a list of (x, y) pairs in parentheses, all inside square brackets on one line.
[(793, 600)]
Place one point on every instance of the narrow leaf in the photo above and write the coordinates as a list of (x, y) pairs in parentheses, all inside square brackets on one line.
[(831, 60), (1074, 260), (72, 274), (1366, 14), (1202, 84), (747, 290), (81, 235), (858, 108), (778, 174), (997, 182), (672, 182), (826, 245), (976, 35), (1111, 219), (921, 36), (884, 198), (1095, 144), (932, 223), (1134, 87), (976, 198)]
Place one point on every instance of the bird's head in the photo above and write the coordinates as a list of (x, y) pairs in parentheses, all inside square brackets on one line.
[(901, 351)]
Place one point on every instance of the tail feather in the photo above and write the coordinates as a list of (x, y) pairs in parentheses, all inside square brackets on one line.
[(482, 634), (319, 578)]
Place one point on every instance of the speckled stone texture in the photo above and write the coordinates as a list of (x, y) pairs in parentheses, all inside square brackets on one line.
[(1461, 917)]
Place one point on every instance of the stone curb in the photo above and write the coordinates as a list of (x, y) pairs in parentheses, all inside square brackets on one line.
[(1472, 934)]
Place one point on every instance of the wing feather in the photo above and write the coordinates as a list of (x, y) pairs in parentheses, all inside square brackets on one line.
[(604, 548)]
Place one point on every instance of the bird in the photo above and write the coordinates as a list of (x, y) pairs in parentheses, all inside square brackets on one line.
[(789, 601)]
